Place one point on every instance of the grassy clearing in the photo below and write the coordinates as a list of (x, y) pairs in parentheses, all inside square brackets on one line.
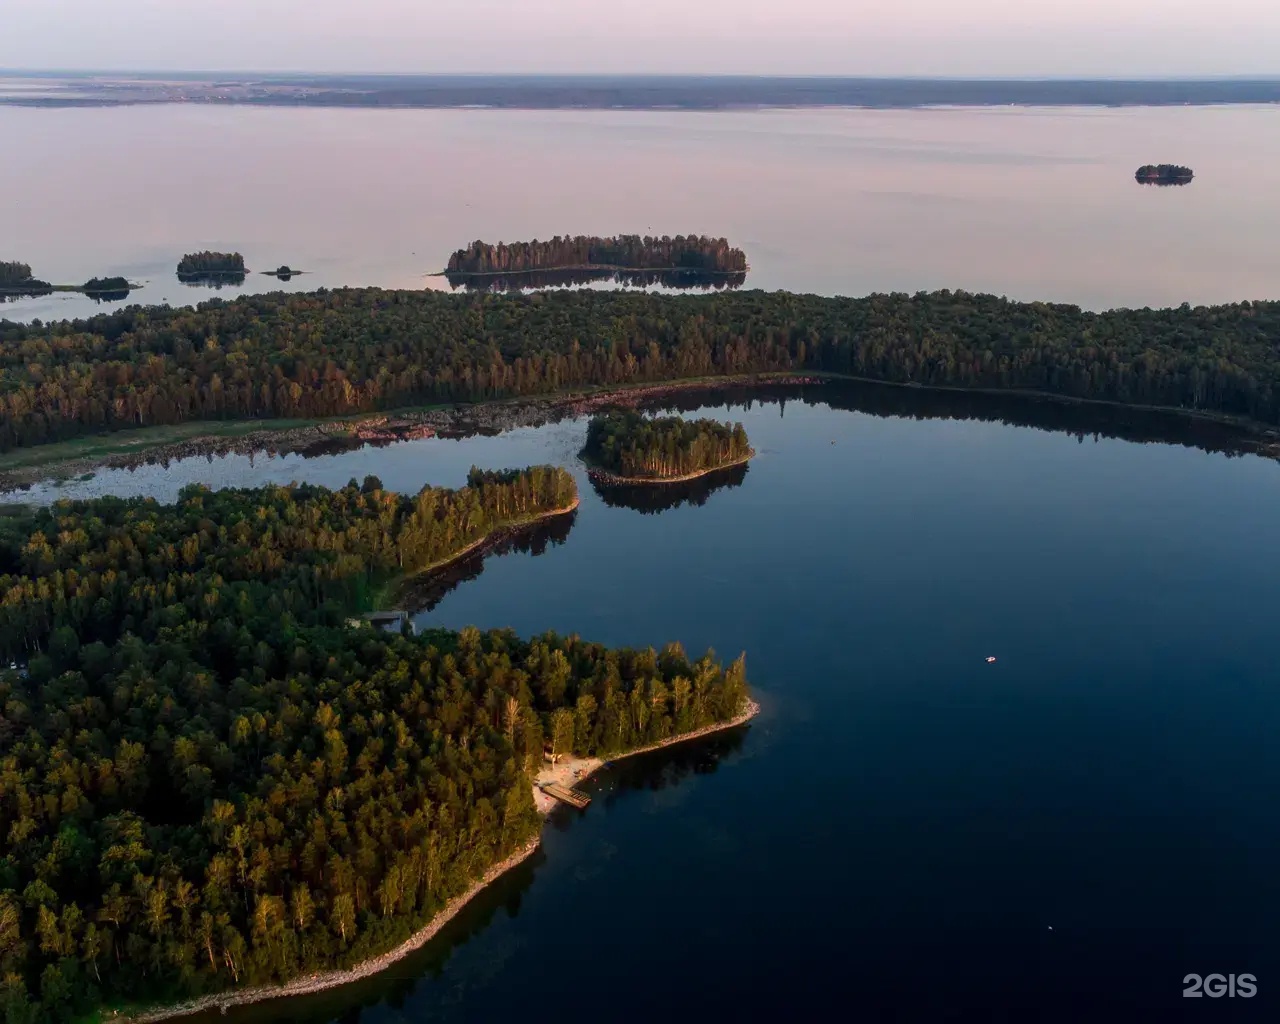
[(124, 442)]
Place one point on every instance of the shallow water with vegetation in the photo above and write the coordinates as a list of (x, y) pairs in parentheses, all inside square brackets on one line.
[(1078, 825)]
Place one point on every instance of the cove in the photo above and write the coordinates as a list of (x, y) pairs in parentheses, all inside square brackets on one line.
[(903, 823)]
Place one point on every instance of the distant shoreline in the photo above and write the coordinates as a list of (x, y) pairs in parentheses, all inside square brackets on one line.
[(580, 268), (673, 93), (21, 292), (125, 449)]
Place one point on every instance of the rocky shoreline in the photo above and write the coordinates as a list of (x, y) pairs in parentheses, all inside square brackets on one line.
[(382, 428)]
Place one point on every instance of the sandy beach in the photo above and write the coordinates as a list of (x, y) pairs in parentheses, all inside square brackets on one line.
[(571, 770)]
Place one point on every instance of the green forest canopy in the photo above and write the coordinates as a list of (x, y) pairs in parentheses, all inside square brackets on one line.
[(631, 252), (197, 263), (1165, 173), (13, 273), (626, 444), (106, 284), (208, 781), (331, 353)]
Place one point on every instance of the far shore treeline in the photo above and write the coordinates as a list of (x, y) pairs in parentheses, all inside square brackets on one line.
[(208, 780), (627, 445), (334, 353), (626, 252)]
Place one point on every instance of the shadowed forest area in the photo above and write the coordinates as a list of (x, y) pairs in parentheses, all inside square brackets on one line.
[(209, 780), (626, 444), (335, 353)]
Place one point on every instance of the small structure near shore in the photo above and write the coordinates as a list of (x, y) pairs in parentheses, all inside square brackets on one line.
[(394, 621), (566, 795)]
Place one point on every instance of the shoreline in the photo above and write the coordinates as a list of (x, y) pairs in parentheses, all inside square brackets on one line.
[(398, 585), (573, 770), (612, 480), (335, 979), (578, 268), (458, 420), (321, 982)]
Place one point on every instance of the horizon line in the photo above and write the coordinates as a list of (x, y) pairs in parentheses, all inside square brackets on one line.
[(789, 76)]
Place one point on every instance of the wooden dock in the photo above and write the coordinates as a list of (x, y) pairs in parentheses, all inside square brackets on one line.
[(569, 796)]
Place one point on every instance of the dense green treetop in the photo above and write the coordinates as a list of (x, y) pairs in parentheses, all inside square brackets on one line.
[(691, 252), (196, 263), (1164, 174), (330, 353), (13, 273), (626, 444), (107, 284), (208, 780)]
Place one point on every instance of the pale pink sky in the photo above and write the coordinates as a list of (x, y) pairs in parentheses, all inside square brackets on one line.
[(883, 37)]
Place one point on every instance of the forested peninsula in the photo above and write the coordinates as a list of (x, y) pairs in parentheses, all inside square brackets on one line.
[(208, 781), (350, 351), (582, 252), (625, 447)]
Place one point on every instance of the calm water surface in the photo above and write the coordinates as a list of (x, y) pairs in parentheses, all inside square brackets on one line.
[(1032, 203), (903, 826)]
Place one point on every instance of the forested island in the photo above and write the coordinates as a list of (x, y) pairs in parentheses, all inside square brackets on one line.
[(530, 280), (209, 781), (626, 447), (16, 280), (211, 268), (1163, 174), (13, 274), (581, 252), (338, 353)]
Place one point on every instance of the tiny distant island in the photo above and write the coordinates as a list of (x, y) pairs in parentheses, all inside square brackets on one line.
[(215, 268), (624, 447), (685, 261), (16, 281), (284, 272), (1163, 174)]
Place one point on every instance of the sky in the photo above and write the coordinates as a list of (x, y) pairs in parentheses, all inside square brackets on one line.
[(971, 38)]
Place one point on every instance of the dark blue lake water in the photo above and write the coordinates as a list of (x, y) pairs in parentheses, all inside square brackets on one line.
[(906, 832)]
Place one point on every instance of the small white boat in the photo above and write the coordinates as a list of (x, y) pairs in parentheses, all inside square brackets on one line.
[(991, 660)]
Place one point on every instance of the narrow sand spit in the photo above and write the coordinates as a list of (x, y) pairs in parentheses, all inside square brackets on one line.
[(571, 770)]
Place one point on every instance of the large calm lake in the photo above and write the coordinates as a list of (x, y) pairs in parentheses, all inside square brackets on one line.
[(906, 831), (1034, 204)]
